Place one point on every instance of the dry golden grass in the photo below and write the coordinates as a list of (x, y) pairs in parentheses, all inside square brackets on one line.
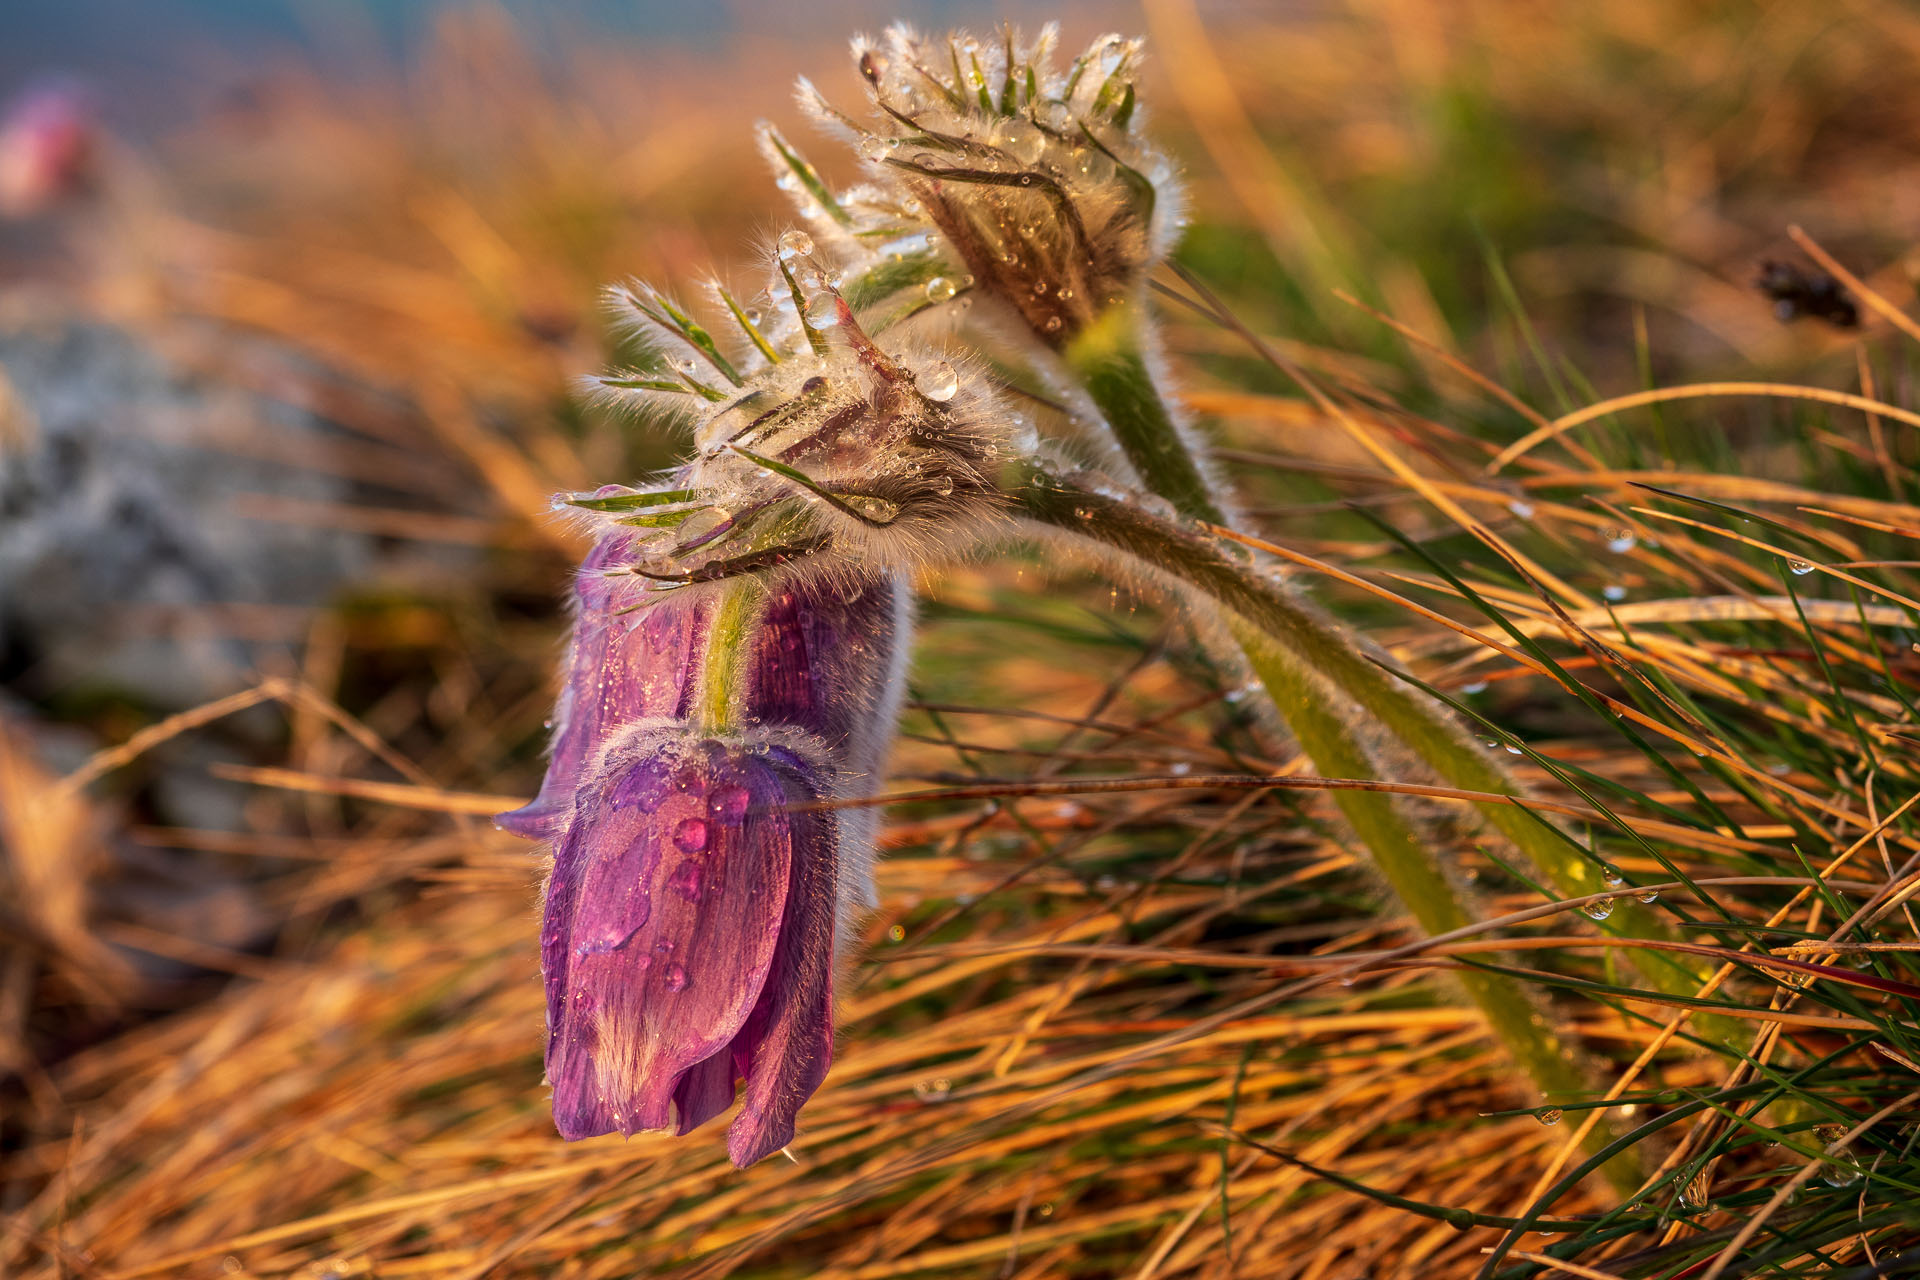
[(1069, 1006)]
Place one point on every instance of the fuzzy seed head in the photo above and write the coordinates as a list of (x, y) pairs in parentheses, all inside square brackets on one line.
[(1036, 185)]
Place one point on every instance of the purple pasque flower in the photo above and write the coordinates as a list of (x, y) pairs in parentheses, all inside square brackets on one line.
[(692, 914), (689, 939)]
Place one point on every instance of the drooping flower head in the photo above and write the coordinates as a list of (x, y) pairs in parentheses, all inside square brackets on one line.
[(1038, 184), (698, 898), (689, 938)]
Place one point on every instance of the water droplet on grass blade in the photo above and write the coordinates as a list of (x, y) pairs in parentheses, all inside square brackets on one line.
[(1799, 568), (1550, 1116), (1599, 909), (795, 244)]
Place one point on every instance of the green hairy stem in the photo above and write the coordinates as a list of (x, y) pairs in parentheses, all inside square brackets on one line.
[(1296, 655), (1422, 725)]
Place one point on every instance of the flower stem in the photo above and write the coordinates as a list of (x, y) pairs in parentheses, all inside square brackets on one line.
[(1320, 645), (1144, 425), (1268, 626), (1108, 361)]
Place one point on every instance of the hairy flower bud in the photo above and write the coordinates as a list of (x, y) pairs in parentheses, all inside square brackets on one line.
[(1039, 184), (632, 789), (689, 940)]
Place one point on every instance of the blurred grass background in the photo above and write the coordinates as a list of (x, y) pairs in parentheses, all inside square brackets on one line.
[(268, 994)]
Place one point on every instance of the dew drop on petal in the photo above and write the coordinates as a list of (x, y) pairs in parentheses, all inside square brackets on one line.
[(688, 881), (939, 289), (728, 805), (674, 976), (795, 244), (691, 835), (938, 382)]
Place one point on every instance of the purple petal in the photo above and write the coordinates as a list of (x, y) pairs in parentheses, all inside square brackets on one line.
[(789, 1038), (705, 1090), (827, 652), (662, 925), (623, 664)]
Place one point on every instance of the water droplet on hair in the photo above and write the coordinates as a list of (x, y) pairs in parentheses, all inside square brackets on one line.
[(939, 289), (938, 382), (1598, 909), (823, 309), (692, 835), (1550, 1116), (674, 977), (1022, 140), (795, 244)]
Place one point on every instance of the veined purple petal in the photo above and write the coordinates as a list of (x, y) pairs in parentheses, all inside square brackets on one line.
[(788, 1040), (662, 924), (827, 652), (623, 664)]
